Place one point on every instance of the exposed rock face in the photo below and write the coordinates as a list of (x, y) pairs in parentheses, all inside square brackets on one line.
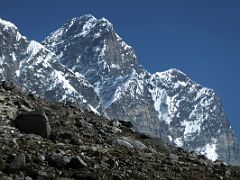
[(95, 156), (87, 63), (34, 122)]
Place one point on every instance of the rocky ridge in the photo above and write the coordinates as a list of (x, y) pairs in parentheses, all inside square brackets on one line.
[(83, 145)]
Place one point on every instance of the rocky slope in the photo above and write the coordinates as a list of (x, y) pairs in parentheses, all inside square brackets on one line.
[(165, 104), (79, 144)]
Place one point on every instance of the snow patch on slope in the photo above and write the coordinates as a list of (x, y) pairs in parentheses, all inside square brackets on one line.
[(61, 79), (191, 127), (209, 150)]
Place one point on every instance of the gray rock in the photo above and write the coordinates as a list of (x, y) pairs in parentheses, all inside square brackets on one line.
[(129, 143), (59, 161), (18, 163), (123, 142), (77, 162), (116, 123), (34, 122), (28, 178), (42, 176), (8, 85), (116, 130)]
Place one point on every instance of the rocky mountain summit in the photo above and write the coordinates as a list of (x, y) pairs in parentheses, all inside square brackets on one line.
[(85, 62), (44, 140)]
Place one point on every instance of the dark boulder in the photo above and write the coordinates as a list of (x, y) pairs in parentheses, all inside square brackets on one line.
[(8, 85), (18, 163), (33, 123), (58, 161), (77, 162)]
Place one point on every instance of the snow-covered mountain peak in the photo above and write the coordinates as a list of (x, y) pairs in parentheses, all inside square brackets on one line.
[(172, 74), (7, 25), (93, 45)]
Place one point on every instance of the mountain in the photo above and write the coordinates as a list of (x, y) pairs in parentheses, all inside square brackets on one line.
[(165, 104), (78, 144), (107, 78), (38, 70)]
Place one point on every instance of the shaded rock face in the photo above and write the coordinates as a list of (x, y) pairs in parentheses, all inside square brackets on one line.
[(86, 63), (101, 152), (34, 122)]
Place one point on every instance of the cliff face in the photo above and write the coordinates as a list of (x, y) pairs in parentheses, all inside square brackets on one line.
[(87, 63)]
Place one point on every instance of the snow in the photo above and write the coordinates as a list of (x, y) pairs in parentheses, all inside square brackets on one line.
[(94, 110), (180, 84), (104, 48), (115, 66), (178, 142), (88, 26), (60, 79), (105, 23), (13, 55), (191, 127), (7, 25), (17, 73), (97, 88), (162, 104), (19, 37), (209, 150), (124, 44), (97, 35), (34, 47)]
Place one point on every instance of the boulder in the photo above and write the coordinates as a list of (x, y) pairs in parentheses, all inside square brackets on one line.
[(8, 85), (58, 161), (77, 162), (18, 163), (129, 143), (33, 123)]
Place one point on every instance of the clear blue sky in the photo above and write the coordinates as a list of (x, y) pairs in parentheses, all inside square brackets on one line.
[(201, 38)]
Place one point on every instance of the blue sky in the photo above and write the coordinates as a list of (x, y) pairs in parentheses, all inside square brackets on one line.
[(201, 38)]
